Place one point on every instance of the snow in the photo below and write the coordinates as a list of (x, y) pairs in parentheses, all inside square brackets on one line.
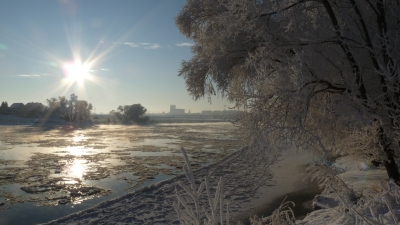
[(248, 184), (12, 120), (15, 120), (363, 178), (357, 176)]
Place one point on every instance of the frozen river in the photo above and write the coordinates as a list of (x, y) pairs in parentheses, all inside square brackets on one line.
[(49, 173)]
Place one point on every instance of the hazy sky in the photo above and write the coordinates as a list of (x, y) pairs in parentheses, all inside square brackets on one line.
[(130, 50)]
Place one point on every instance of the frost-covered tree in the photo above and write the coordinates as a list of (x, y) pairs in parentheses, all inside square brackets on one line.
[(69, 109), (128, 113), (322, 74), (83, 108)]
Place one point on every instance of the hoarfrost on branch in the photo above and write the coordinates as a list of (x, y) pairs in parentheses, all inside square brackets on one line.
[(322, 75)]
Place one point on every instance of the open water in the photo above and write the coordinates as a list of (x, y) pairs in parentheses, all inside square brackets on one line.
[(47, 173)]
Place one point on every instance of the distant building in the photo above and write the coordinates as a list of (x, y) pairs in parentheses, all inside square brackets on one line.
[(216, 113), (33, 109), (179, 111), (174, 111), (231, 113), (34, 106), (207, 112), (16, 106)]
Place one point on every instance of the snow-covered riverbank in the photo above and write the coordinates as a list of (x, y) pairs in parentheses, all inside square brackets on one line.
[(250, 187), (367, 200), (15, 120), (250, 190), (246, 189)]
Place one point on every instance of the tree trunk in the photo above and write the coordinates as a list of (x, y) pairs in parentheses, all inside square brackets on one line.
[(390, 164), (392, 170)]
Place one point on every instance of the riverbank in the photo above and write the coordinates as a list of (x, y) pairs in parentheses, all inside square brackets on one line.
[(11, 120), (360, 192), (260, 191), (248, 185)]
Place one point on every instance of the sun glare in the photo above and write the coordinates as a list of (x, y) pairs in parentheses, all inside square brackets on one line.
[(77, 72), (77, 169)]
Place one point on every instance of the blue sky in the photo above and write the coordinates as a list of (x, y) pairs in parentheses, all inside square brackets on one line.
[(131, 51)]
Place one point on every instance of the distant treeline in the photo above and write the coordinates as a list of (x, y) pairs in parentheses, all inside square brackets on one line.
[(72, 110)]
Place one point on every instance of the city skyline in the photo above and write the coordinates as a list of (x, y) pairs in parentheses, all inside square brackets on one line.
[(108, 53)]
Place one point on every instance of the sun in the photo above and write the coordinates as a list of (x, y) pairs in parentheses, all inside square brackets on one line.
[(77, 72)]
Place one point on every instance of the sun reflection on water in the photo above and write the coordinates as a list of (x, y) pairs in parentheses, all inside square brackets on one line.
[(76, 169), (76, 150), (78, 138)]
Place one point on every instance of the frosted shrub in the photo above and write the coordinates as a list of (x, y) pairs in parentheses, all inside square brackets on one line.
[(281, 216), (369, 206), (326, 176), (189, 206)]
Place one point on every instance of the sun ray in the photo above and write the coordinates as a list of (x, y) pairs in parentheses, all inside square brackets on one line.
[(82, 66), (77, 72)]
